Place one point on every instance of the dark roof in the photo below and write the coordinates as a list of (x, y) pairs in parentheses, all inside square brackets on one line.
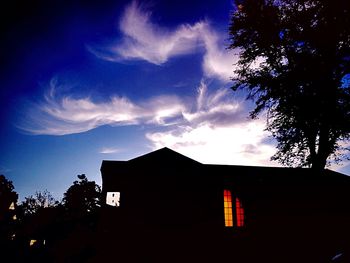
[(166, 157)]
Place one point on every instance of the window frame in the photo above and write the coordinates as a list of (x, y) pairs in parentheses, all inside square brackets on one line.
[(234, 214)]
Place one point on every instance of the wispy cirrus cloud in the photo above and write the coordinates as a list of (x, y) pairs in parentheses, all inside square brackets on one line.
[(59, 114), (4, 170), (211, 124), (109, 150), (144, 40), (218, 131)]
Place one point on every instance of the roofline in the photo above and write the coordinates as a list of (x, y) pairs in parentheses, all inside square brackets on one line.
[(326, 170), (161, 149), (105, 162)]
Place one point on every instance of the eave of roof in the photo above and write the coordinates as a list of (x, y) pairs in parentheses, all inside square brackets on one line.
[(166, 156)]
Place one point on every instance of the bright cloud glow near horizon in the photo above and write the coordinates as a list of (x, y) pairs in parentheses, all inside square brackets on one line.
[(117, 80)]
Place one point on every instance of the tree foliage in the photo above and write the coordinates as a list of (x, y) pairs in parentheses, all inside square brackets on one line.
[(82, 197), (7, 195), (294, 61), (7, 212), (41, 199)]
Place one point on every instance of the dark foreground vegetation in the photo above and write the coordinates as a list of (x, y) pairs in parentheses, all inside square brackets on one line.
[(42, 229), (286, 222)]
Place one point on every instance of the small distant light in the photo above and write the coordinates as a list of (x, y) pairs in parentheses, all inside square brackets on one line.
[(12, 206), (14, 217), (32, 242)]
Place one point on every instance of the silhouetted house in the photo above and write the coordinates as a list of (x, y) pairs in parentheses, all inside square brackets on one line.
[(166, 207)]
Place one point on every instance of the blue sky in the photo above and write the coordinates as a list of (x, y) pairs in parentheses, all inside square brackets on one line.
[(84, 82)]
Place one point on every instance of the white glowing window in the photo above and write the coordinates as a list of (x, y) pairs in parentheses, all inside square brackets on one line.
[(113, 198)]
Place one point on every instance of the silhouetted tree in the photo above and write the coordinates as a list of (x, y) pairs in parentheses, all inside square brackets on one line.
[(294, 61), (8, 218), (81, 203), (7, 197), (83, 197), (39, 215), (41, 199), (8, 203)]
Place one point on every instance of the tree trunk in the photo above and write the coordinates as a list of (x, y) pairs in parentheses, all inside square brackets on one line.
[(320, 160)]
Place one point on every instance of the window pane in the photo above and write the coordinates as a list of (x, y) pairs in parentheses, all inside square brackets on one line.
[(228, 212), (240, 213), (113, 198), (228, 208)]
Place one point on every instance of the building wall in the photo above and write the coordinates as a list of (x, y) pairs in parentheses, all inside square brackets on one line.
[(181, 206)]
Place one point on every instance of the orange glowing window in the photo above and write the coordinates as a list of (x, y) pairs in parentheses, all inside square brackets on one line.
[(228, 208), (239, 213), (233, 212)]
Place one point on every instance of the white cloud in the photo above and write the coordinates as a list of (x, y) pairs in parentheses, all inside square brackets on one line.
[(144, 40), (214, 129), (241, 144), (108, 150), (66, 115), (217, 108), (60, 115), (217, 62), (217, 131), (150, 42)]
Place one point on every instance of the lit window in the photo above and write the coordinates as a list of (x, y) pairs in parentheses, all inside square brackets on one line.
[(228, 208), (239, 213), (32, 242), (113, 198), (12, 206)]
